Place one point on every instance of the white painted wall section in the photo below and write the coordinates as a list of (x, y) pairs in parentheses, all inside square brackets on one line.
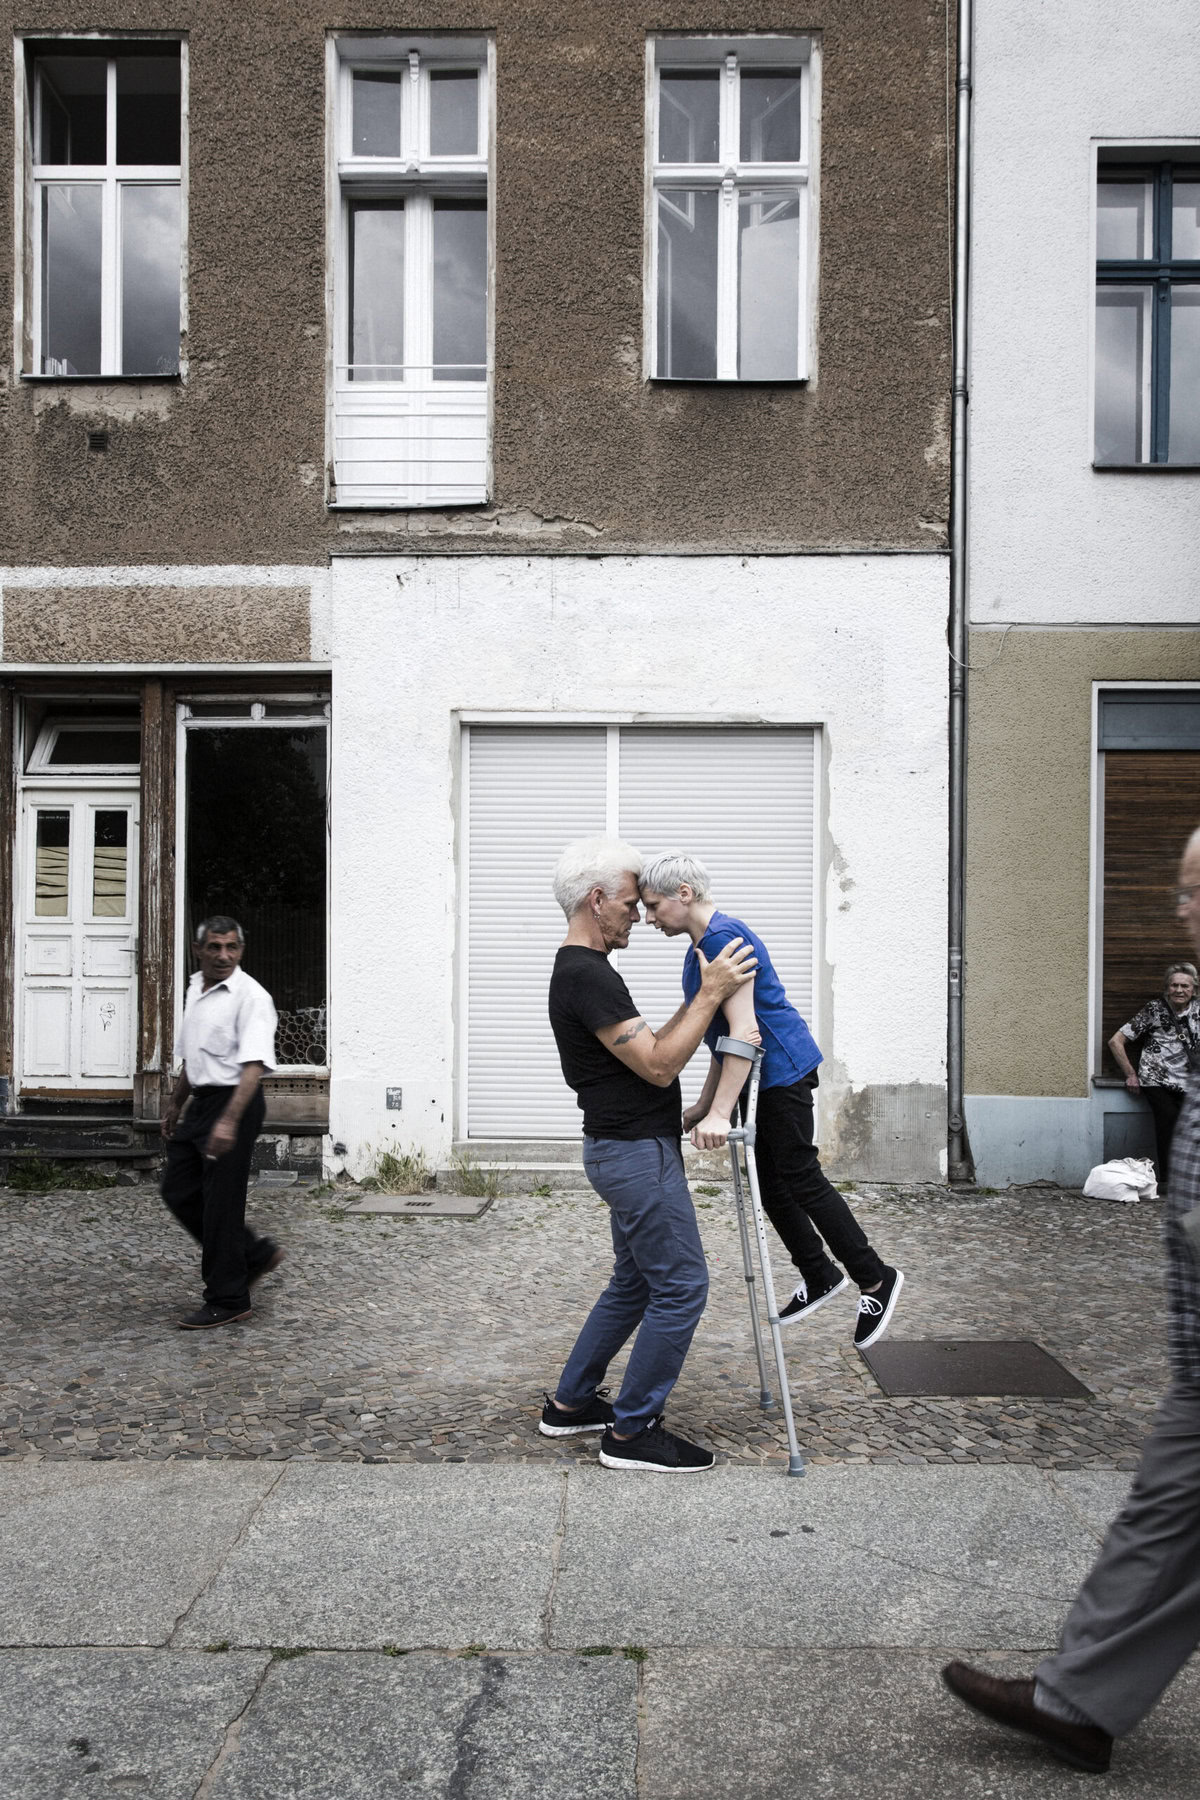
[(853, 645), (1054, 541)]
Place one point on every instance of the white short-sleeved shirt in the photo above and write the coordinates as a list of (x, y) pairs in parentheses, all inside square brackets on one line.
[(231, 1023)]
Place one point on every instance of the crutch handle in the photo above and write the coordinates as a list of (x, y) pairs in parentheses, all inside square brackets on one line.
[(731, 1046)]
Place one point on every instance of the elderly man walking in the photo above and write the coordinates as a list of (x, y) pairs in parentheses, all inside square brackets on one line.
[(626, 1079), (226, 1043), (1136, 1619)]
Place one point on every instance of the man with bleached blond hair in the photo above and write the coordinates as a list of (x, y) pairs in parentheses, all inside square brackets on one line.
[(626, 1079)]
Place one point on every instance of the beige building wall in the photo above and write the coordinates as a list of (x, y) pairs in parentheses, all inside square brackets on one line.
[(1030, 775)]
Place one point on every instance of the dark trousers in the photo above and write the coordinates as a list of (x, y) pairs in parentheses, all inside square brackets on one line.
[(209, 1198), (798, 1198), (1164, 1104)]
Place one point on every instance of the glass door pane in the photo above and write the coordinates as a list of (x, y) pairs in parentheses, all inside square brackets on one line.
[(150, 280), (255, 850), (52, 870), (377, 290), (459, 290), (71, 247), (1122, 374), (769, 285), (687, 283), (110, 864), (1184, 430)]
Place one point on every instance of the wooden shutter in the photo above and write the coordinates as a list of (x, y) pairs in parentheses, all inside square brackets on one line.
[(529, 793), (1151, 803), (742, 801)]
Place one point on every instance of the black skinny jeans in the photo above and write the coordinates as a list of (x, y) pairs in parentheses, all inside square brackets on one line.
[(209, 1198), (798, 1198), (1164, 1104)]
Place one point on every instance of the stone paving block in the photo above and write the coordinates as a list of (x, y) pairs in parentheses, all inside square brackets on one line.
[(475, 1728), (843, 1556), (355, 1558), (829, 1724), (114, 1553), (144, 1722)]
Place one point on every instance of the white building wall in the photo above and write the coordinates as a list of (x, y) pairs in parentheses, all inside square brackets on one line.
[(853, 644), (1053, 541)]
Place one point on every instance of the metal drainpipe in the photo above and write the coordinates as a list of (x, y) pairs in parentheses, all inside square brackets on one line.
[(959, 1155)]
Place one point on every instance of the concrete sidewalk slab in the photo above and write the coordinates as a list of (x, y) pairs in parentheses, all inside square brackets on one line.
[(144, 1722), (770, 1725), (115, 1553), (345, 1557), (1099, 1494), (849, 1555), (472, 1728)]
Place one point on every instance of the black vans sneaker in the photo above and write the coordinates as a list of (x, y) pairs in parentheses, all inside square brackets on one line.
[(654, 1449), (594, 1415), (875, 1310), (803, 1305)]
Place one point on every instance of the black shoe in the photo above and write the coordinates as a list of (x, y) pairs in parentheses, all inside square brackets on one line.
[(1011, 1703), (802, 1305), (273, 1261), (593, 1415), (655, 1449), (875, 1310), (208, 1316)]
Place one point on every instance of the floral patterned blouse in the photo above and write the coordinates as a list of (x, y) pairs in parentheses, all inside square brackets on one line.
[(1170, 1040)]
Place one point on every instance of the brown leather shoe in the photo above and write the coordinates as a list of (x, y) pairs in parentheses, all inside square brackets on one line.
[(1011, 1703)]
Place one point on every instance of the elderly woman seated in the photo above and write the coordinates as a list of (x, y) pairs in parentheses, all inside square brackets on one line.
[(1169, 1030)]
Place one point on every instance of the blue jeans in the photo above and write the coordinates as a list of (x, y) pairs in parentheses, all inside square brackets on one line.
[(659, 1279)]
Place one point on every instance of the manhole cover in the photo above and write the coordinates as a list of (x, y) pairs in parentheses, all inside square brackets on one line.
[(422, 1206), (966, 1366)]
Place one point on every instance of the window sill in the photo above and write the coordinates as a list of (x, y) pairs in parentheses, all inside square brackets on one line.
[(1146, 468), (722, 381), (99, 380)]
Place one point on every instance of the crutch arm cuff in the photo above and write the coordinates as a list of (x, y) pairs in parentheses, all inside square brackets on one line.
[(731, 1046)]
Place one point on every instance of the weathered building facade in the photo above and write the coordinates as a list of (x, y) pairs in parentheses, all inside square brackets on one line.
[(1084, 749), (432, 436)]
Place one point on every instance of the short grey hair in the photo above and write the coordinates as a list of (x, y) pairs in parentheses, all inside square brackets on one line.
[(219, 926), (1188, 969), (666, 874), (589, 863)]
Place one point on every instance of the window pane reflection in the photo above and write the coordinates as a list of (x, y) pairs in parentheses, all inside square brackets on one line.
[(377, 290), (453, 112), (1122, 374), (148, 109), (73, 103), (71, 250), (149, 280), (1185, 220), (1184, 434), (52, 871), (771, 125), (769, 285), (1124, 220), (689, 117), (375, 130), (687, 284), (459, 290), (110, 852)]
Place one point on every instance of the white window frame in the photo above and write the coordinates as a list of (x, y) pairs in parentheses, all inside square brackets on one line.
[(111, 179), (48, 736), (424, 413), (731, 178)]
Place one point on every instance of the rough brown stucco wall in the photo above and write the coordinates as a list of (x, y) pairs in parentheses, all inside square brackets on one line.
[(156, 624), (229, 465), (1029, 788)]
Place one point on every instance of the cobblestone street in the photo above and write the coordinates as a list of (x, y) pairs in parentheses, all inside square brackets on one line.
[(427, 1340)]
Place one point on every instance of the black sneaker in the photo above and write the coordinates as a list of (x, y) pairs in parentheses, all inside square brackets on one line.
[(803, 1306), (655, 1449), (594, 1415), (207, 1316), (875, 1310)]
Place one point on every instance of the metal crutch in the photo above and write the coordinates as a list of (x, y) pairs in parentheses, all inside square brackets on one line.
[(745, 1180)]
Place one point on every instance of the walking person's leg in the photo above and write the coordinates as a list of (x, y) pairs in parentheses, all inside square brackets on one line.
[(1164, 1104), (227, 1243), (610, 1324)]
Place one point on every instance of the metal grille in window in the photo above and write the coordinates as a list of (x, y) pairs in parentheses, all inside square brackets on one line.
[(300, 1037)]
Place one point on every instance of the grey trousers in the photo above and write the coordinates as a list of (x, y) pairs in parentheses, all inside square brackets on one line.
[(1136, 1619)]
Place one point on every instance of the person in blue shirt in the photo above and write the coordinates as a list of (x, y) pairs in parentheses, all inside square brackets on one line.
[(801, 1203)]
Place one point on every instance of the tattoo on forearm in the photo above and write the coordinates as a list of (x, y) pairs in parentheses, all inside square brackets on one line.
[(631, 1033)]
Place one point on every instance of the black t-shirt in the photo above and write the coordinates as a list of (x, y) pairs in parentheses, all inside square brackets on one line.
[(586, 994)]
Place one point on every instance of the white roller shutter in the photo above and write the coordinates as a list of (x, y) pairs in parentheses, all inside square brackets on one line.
[(742, 800), (529, 792)]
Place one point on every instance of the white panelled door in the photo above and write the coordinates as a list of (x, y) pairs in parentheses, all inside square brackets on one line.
[(741, 799), (78, 940)]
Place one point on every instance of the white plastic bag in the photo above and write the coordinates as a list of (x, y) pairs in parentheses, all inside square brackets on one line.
[(1127, 1178)]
